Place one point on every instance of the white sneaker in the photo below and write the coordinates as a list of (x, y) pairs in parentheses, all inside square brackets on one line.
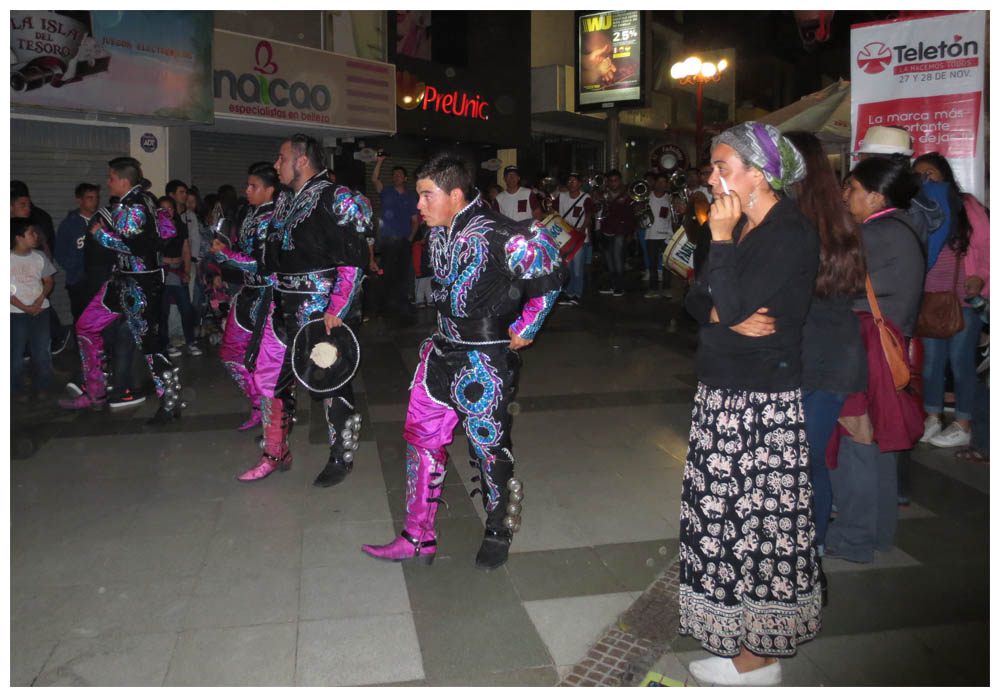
[(173, 351), (951, 437), (194, 350), (652, 294), (932, 427), (721, 671)]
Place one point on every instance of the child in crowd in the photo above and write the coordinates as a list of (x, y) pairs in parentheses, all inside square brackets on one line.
[(31, 282), (217, 294)]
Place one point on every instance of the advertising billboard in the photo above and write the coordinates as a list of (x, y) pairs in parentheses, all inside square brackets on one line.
[(259, 80), (127, 63), (925, 75), (610, 59)]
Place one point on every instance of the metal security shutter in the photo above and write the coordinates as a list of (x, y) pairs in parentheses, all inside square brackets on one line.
[(223, 158), (52, 158)]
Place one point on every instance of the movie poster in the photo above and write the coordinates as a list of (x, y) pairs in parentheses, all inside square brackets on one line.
[(610, 68), (138, 63)]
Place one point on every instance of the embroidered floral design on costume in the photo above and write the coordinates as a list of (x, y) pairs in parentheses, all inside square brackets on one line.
[(532, 255), (476, 391), (458, 262), (290, 211)]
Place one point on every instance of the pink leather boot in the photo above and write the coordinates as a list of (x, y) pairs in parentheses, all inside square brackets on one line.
[(418, 539)]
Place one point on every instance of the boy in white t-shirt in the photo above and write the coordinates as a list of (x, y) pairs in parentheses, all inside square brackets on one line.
[(31, 282)]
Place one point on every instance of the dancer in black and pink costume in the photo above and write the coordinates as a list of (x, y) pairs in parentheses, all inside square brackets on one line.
[(247, 308), (134, 228), (316, 246), (495, 282)]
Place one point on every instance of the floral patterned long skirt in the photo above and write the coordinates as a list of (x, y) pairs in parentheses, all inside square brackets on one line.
[(748, 559)]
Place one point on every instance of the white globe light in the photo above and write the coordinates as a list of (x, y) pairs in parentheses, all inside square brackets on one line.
[(707, 69), (677, 71), (722, 65), (692, 65)]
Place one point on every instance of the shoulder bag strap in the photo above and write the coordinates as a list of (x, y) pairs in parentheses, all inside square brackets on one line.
[(872, 302)]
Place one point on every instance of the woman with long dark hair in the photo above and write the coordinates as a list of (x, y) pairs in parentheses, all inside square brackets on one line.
[(877, 194), (245, 255), (749, 585), (833, 354), (958, 351)]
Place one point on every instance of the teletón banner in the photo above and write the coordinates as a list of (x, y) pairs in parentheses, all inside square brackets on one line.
[(128, 63), (262, 80), (926, 75)]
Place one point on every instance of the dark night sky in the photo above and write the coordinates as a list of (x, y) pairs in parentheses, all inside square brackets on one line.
[(767, 33)]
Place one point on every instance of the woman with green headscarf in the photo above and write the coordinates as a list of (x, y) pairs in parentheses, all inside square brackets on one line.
[(749, 589)]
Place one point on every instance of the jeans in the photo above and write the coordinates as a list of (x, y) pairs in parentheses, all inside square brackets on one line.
[(614, 253), (960, 352), (654, 249), (397, 265), (180, 296), (640, 236), (33, 332), (821, 409), (120, 338), (864, 491), (574, 286)]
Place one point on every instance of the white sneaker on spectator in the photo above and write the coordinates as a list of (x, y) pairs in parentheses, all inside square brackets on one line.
[(194, 350), (173, 351), (652, 294), (932, 427), (951, 437), (718, 670)]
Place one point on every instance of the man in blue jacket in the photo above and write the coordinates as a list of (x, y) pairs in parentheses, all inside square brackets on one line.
[(70, 238)]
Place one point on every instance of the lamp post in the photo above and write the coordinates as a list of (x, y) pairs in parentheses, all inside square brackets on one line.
[(693, 72)]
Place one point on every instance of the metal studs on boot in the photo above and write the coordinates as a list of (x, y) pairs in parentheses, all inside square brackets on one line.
[(496, 543), (341, 462)]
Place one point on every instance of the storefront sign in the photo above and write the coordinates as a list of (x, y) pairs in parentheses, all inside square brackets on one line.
[(609, 59), (135, 63), (148, 142), (262, 80), (456, 103), (925, 75)]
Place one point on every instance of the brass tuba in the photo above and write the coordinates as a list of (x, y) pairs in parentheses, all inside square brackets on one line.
[(599, 195), (550, 193), (638, 191)]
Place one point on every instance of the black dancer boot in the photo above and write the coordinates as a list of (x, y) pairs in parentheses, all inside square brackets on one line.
[(505, 518), (170, 400), (341, 461)]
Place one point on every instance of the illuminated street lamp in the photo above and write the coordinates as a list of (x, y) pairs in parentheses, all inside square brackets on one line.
[(693, 72)]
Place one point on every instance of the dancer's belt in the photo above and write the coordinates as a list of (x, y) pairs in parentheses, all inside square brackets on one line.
[(483, 330), (142, 273), (320, 281)]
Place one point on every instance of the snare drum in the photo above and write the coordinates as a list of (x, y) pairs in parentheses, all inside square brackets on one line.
[(678, 257), (568, 239)]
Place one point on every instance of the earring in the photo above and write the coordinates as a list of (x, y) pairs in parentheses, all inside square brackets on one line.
[(752, 199)]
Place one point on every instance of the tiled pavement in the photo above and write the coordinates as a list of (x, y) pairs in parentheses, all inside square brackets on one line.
[(137, 559)]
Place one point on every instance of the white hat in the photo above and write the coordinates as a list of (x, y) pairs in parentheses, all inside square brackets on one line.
[(886, 140)]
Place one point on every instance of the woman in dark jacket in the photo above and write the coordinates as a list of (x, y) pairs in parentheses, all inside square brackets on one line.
[(864, 482), (749, 587), (833, 355)]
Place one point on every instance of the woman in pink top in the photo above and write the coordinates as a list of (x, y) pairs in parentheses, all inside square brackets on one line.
[(968, 248)]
